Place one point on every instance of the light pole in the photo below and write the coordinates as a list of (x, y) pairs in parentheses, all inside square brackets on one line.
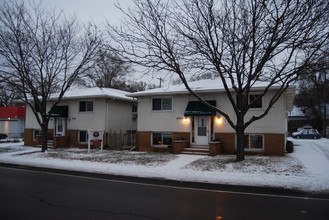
[(325, 104)]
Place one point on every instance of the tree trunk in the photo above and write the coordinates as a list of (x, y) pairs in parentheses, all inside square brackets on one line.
[(44, 137), (240, 143)]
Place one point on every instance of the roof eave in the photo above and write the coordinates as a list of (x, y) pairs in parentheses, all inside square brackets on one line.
[(105, 96), (195, 90)]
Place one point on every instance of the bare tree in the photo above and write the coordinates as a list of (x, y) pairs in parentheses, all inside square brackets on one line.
[(109, 72), (7, 95), (313, 92), (43, 52), (241, 41)]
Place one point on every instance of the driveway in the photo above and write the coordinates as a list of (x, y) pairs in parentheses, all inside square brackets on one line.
[(314, 154)]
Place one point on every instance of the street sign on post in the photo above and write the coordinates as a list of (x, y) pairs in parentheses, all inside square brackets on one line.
[(95, 136)]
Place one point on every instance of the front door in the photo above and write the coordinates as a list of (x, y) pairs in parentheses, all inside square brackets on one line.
[(201, 133), (60, 126)]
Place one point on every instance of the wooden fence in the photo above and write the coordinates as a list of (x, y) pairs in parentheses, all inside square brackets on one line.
[(119, 141)]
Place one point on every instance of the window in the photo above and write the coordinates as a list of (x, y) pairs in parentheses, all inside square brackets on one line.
[(36, 133), (83, 136), (162, 104), (202, 126), (254, 141), (162, 138), (255, 101), (134, 111), (86, 106), (134, 108)]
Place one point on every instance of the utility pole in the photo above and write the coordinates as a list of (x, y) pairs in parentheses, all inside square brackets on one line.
[(325, 104), (160, 81)]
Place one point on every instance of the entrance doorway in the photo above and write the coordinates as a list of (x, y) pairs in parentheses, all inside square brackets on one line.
[(201, 126), (60, 126)]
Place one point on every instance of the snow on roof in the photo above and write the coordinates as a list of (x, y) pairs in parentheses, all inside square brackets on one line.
[(207, 85), (296, 111), (95, 92)]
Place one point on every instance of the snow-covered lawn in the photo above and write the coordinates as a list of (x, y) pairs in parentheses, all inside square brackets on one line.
[(307, 169)]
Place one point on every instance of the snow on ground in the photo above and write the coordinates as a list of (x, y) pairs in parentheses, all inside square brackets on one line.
[(307, 169)]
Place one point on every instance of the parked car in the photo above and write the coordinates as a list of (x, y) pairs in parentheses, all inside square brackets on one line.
[(3, 136), (307, 134)]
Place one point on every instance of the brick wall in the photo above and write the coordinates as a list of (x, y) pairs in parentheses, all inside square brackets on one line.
[(73, 140), (274, 144), (181, 135), (227, 142), (143, 142), (28, 137)]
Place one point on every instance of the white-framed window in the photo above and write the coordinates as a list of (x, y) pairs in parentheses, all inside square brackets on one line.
[(162, 104), (86, 106), (83, 137), (255, 101), (162, 139), (254, 142)]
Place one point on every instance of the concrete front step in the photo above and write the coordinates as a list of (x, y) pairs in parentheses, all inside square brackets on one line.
[(49, 146), (196, 151), (50, 143), (200, 146)]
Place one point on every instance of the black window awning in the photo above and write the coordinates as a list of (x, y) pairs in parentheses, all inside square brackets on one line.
[(59, 111), (196, 108)]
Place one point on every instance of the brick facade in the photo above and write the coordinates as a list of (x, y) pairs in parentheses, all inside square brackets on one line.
[(181, 136), (71, 139), (143, 141), (28, 137), (274, 144), (227, 141)]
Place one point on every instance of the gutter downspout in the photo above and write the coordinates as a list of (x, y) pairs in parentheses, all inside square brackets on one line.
[(106, 122)]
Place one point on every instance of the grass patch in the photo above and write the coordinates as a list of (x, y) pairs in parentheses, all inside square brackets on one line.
[(7, 150), (10, 149), (252, 164), (109, 156)]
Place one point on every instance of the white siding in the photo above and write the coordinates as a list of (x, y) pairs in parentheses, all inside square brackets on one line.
[(119, 117), (86, 120), (148, 120), (107, 114), (31, 121)]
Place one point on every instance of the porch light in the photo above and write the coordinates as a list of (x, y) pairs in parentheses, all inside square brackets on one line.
[(219, 120), (186, 119)]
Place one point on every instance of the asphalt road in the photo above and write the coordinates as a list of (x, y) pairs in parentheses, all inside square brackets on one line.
[(30, 194)]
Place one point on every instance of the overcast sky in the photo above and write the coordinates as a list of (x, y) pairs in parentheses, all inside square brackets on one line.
[(91, 10), (88, 10), (97, 11)]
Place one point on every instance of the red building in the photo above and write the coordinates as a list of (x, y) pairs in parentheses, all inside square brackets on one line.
[(12, 121)]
